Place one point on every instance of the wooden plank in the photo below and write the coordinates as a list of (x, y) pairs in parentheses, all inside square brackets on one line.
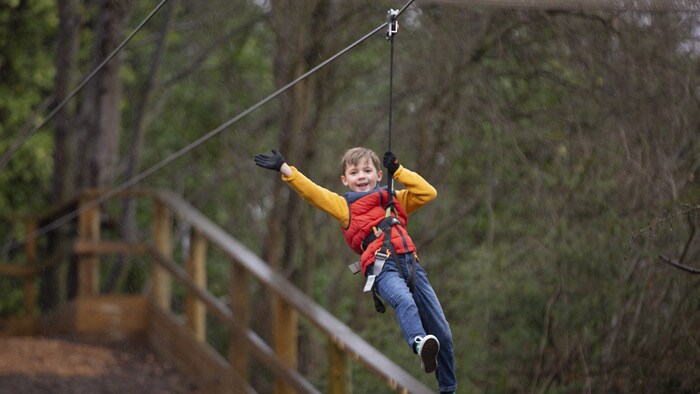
[(88, 230), (111, 318), (240, 305), (197, 271), (162, 234), (285, 330), (23, 271), (329, 325), (114, 318), (338, 371), (29, 286), (81, 247), (16, 270)]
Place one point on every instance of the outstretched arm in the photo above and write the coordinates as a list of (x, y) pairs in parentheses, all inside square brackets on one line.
[(323, 199)]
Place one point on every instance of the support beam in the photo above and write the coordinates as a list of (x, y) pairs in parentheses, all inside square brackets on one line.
[(197, 270), (162, 235), (285, 329), (30, 281), (239, 351), (88, 231), (339, 381)]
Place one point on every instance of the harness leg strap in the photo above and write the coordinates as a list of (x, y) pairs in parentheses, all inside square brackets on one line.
[(379, 261)]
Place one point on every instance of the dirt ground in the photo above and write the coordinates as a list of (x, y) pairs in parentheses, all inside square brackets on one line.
[(59, 365)]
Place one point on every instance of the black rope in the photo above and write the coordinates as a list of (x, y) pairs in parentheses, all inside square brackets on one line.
[(391, 86), (392, 29), (150, 171), (391, 22), (24, 138)]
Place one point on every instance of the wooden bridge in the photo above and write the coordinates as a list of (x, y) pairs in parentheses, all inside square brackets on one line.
[(179, 336)]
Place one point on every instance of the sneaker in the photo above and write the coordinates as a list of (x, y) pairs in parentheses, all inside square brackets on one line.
[(427, 349)]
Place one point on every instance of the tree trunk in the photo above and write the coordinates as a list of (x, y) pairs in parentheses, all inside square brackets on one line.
[(100, 115), (99, 118), (299, 31), (64, 137), (128, 215)]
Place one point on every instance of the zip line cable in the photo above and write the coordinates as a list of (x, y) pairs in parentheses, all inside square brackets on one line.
[(155, 168), (24, 138)]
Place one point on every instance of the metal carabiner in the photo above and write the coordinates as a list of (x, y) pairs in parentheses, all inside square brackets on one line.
[(392, 23)]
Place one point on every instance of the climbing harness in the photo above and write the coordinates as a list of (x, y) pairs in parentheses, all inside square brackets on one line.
[(385, 252)]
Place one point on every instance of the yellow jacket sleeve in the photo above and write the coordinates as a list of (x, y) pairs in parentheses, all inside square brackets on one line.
[(322, 198), (418, 191)]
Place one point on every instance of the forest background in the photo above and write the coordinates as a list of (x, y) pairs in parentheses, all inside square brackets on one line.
[(564, 145)]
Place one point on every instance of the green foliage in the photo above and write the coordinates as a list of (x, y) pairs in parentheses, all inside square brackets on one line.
[(26, 77), (11, 301), (27, 177)]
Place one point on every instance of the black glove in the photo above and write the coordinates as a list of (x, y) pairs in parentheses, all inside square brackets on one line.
[(391, 163), (271, 162)]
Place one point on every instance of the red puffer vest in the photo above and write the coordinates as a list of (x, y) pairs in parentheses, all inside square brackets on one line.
[(367, 209)]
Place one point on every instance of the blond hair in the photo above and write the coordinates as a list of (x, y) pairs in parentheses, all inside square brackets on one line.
[(355, 155)]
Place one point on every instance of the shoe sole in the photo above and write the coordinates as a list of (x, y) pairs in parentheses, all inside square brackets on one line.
[(428, 355)]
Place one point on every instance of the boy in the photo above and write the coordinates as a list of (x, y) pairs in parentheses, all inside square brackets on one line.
[(382, 239)]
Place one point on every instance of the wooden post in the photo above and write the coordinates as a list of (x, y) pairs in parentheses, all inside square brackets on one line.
[(197, 270), (162, 234), (88, 230), (30, 254), (339, 381), (238, 353), (285, 332)]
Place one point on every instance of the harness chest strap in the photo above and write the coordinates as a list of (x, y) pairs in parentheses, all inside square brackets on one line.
[(378, 230)]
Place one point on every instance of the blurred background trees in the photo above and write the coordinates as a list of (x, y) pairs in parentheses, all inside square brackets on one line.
[(563, 144)]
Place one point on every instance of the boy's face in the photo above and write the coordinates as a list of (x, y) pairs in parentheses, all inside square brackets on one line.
[(362, 177)]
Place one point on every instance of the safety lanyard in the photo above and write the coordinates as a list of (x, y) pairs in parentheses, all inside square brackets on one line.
[(392, 30)]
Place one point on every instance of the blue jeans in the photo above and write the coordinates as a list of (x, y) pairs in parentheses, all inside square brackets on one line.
[(419, 314)]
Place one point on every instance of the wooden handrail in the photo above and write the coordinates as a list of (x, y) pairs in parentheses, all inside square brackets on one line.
[(29, 271), (337, 332), (345, 343), (221, 311)]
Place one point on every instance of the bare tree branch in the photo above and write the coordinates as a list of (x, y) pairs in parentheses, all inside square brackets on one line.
[(679, 265), (546, 324)]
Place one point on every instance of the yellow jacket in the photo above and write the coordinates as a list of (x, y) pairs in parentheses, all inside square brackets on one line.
[(417, 193)]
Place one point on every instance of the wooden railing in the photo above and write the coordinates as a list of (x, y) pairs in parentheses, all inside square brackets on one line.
[(288, 306)]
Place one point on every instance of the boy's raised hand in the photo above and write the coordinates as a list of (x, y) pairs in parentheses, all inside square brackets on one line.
[(271, 162), (391, 163)]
